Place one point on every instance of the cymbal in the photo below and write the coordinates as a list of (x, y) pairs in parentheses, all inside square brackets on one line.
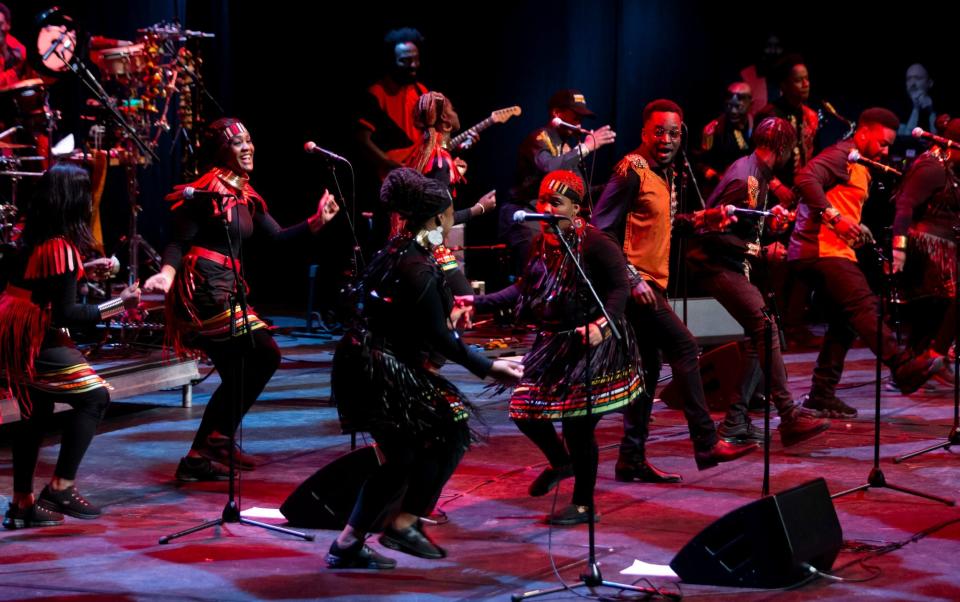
[(22, 174), (12, 145), (24, 83)]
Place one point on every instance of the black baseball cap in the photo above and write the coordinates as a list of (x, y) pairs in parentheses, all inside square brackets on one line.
[(570, 99)]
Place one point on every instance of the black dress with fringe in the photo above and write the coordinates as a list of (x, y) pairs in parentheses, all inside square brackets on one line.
[(383, 380), (551, 294)]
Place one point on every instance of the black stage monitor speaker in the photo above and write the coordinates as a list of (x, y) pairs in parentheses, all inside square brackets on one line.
[(325, 500), (720, 371), (769, 543)]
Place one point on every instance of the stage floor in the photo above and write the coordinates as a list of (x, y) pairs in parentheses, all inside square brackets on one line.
[(496, 543)]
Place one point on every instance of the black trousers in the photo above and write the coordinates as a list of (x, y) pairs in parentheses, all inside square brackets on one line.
[(88, 410), (410, 479), (852, 310), (658, 329), (932, 324), (580, 450), (745, 302), (244, 370)]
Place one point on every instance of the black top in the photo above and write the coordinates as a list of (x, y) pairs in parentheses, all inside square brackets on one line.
[(407, 306), (195, 225), (58, 292), (928, 198), (724, 147), (539, 155), (728, 249), (548, 299)]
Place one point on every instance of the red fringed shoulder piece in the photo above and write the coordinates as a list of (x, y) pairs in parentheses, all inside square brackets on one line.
[(52, 258), (201, 183), (212, 181), (254, 197)]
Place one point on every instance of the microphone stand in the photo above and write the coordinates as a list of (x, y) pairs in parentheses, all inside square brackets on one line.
[(136, 241), (687, 175), (587, 179), (953, 438), (592, 578), (876, 478), (231, 511)]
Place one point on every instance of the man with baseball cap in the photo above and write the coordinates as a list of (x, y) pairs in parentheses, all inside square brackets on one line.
[(549, 148)]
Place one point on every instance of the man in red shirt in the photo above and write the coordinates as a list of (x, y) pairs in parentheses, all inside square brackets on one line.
[(386, 132)]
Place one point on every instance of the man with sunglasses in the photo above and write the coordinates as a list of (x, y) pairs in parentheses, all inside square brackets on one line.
[(727, 138), (638, 206)]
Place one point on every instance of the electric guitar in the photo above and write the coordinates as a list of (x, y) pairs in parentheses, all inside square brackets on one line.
[(464, 139)]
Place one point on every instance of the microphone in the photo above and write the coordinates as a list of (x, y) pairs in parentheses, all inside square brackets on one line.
[(312, 148), (834, 113), (53, 46), (752, 212), (855, 157), (526, 216), (938, 140), (191, 193), (558, 123)]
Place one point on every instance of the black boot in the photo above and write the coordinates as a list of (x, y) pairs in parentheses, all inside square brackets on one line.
[(357, 556), (721, 452), (412, 540), (910, 371), (628, 471)]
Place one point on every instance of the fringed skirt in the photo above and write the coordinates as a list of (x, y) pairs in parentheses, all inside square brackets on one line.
[(37, 359), (930, 269), (553, 388), (377, 392), (198, 307)]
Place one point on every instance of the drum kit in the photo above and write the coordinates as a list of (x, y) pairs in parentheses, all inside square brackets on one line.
[(139, 90)]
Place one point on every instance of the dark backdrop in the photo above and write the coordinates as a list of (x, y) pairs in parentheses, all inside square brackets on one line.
[(291, 71)]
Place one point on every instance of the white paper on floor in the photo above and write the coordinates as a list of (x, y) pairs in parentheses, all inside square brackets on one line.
[(256, 512), (646, 569)]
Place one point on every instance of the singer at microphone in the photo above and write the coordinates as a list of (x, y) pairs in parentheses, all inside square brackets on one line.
[(203, 272)]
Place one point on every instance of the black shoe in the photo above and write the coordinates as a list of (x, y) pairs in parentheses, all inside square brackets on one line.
[(217, 450), (911, 371), (192, 470), (571, 514), (799, 425), (549, 478), (833, 407), (34, 516), (758, 404), (413, 541), (721, 452), (643, 471), (740, 434), (69, 502), (357, 556)]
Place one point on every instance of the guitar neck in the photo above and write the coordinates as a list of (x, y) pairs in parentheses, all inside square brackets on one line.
[(457, 140)]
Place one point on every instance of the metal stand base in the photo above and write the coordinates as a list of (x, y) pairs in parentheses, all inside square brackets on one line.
[(953, 439), (231, 514), (590, 580)]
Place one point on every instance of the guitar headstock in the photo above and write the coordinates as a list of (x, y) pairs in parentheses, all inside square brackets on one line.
[(502, 115)]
